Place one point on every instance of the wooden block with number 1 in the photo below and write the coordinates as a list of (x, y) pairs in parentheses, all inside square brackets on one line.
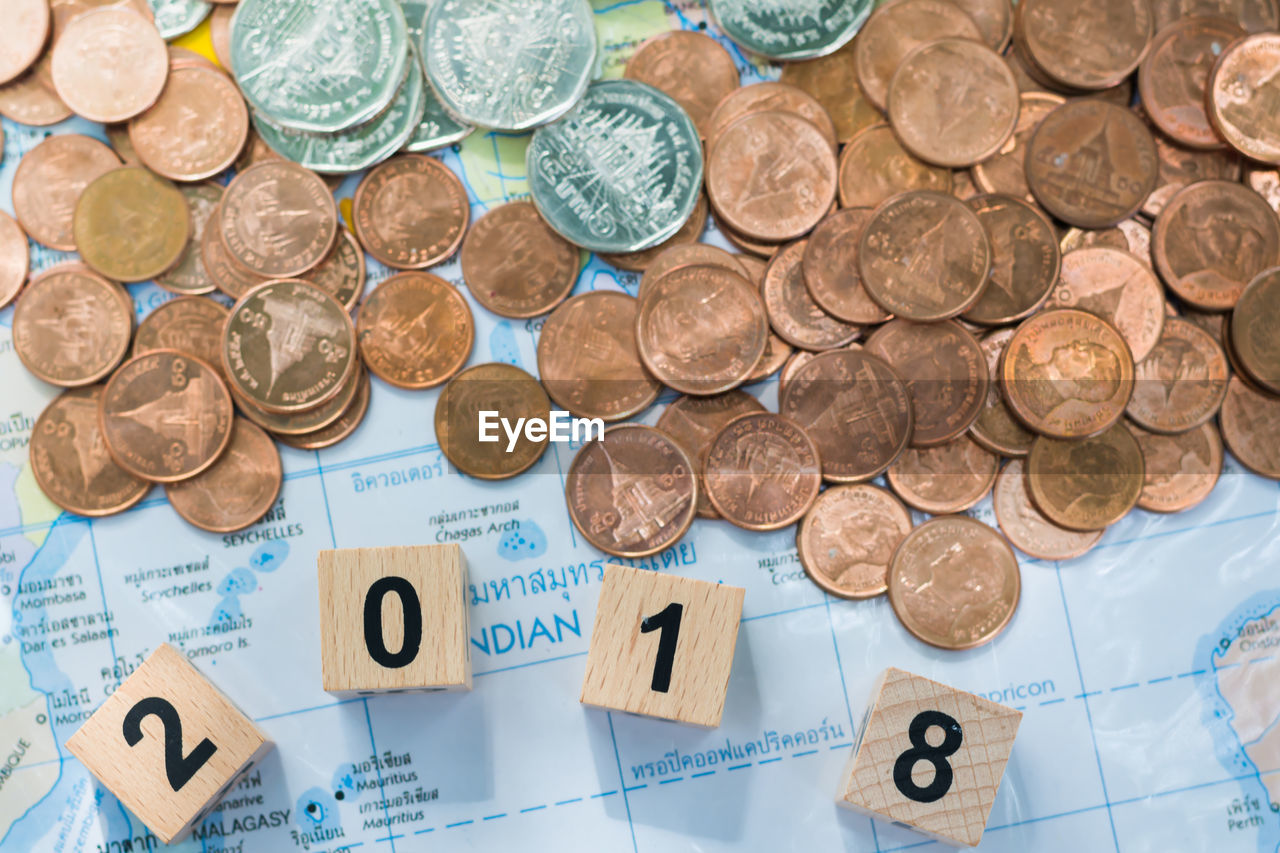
[(662, 646), (930, 757), (168, 744)]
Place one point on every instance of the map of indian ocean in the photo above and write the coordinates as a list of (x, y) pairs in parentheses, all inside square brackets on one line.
[(1148, 671)]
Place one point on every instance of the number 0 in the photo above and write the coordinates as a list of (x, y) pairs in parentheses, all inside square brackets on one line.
[(668, 623), (374, 639)]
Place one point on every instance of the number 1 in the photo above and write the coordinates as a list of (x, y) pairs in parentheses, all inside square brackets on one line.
[(669, 618)]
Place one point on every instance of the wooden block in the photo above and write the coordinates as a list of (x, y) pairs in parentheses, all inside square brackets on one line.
[(394, 620), (662, 646), (929, 757), (168, 744)]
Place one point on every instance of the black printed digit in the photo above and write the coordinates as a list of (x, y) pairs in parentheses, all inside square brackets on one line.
[(935, 755), (178, 768), (373, 636), (668, 623)]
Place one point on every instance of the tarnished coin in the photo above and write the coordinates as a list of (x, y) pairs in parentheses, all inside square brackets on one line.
[(996, 428), (31, 99), (342, 274), (1180, 470), (1242, 94), (1180, 166), (1212, 239), (226, 274), (633, 493), (588, 359), (1174, 75), (70, 461), (689, 254), (994, 19), (793, 313), (856, 409), (109, 64), (1253, 15), (832, 81), (953, 102), (1250, 422), (896, 29), (700, 330), (1067, 374), (686, 236), (235, 491), (782, 30), (71, 327), (26, 30), (197, 127), (767, 97), (1087, 484), (411, 212), (190, 276), (1086, 44), (187, 324), (954, 583), (306, 423), (1181, 384), (288, 346), (415, 330), (762, 472), (48, 183), (1091, 163), (165, 416), (847, 539), (130, 225), (831, 268), (278, 219), (1025, 260), (924, 256), (690, 67), (1117, 287), (692, 422), (15, 258), (771, 176), (515, 396), (1006, 171), (874, 167), (946, 479), (515, 264), (342, 428), (1027, 528), (1255, 330)]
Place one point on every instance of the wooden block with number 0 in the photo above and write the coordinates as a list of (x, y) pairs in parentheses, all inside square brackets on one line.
[(394, 620), (930, 757), (168, 744), (662, 646)]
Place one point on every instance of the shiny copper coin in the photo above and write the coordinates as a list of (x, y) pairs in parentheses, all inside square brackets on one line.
[(165, 416), (309, 421), (996, 428), (31, 99), (515, 264), (1255, 330), (766, 97), (874, 167), (48, 183), (109, 64), (187, 324), (700, 330), (954, 583), (1174, 75), (1212, 239), (633, 493), (279, 220), (189, 275), (15, 258), (994, 19), (1025, 260), (793, 313), (131, 225), (226, 274), (1266, 183), (1181, 384), (342, 274), (756, 248), (1243, 91), (897, 28), (515, 396), (762, 472), (686, 255), (1253, 15), (953, 102), (288, 346), (642, 260), (832, 81), (690, 67), (771, 176), (415, 330), (831, 268), (342, 428), (1117, 287), (1180, 166), (1250, 422), (692, 422), (235, 491), (946, 479), (1086, 44), (856, 409), (588, 359), (1086, 484), (1027, 528), (26, 29), (411, 212), (196, 129), (1180, 470), (71, 327), (1006, 171), (847, 539)]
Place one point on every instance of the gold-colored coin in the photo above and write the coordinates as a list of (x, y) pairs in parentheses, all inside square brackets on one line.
[(1088, 484), (131, 225)]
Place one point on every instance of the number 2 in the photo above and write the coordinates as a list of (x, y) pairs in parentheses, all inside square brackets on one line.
[(668, 624), (922, 750), (178, 769)]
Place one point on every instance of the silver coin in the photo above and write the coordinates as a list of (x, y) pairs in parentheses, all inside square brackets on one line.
[(509, 64), (791, 29), (178, 17), (319, 65), (621, 172), (438, 128)]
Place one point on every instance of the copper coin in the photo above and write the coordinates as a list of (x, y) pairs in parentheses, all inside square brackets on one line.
[(897, 28), (225, 273), (769, 97), (1180, 166), (515, 264), (1067, 374), (953, 102), (954, 583), (196, 129), (996, 428), (514, 395), (342, 428), (1091, 163), (279, 220), (131, 225), (48, 183), (793, 313), (288, 346), (776, 354), (165, 416), (994, 19), (415, 330), (1212, 239), (949, 478), (27, 28), (1253, 15), (1086, 484), (71, 327), (1025, 260), (771, 176), (1180, 470), (189, 276), (692, 422), (109, 64), (1214, 324), (847, 539), (700, 330), (31, 99), (762, 472), (1086, 44), (685, 255), (1173, 77), (1266, 183), (1119, 288), (220, 34), (1181, 384), (690, 67), (411, 212), (874, 167), (642, 260), (1027, 528), (15, 258), (1130, 236), (187, 324), (1250, 422), (757, 248), (70, 461), (633, 493), (832, 81), (588, 359), (1242, 92), (1006, 171), (1255, 330), (856, 409), (342, 274), (831, 268), (306, 422), (235, 491)]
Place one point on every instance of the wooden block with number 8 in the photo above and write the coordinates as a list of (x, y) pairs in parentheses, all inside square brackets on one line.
[(394, 620), (930, 757), (662, 646), (168, 744)]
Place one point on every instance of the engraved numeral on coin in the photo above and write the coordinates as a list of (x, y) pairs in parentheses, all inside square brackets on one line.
[(373, 636), (667, 623), (178, 768), (922, 750)]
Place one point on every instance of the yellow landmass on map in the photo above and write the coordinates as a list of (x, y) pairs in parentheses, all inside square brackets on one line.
[(1248, 676)]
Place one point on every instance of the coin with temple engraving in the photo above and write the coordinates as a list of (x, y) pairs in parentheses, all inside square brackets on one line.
[(197, 127), (1181, 383), (187, 324), (762, 472), (1027, 528), (694, 421), (342, 274), (415, 330), (686, 255), (515, 264), (411, 212), (897, 28), (48, 182), (847, 539), (225, 273), (1243, 91), (300, 424), (765, 97), (1086, 484), (71, 327), (791, 29), (340, 429), (235, 491), (278, 219), (502, 388), (1085, 44)]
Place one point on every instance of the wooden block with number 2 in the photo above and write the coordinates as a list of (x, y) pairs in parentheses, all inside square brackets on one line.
[(662, 646), (930, 757)]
